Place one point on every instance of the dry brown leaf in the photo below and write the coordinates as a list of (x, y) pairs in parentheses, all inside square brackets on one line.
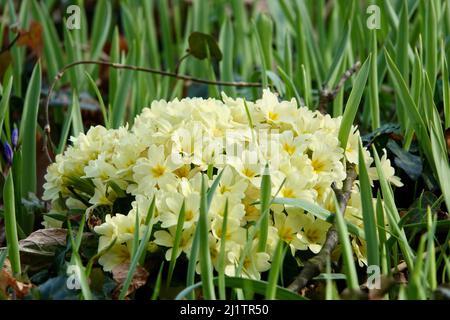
[(32, 38), (120, 273), (5, 61), (44, 241), (10, 287), (38, 249)]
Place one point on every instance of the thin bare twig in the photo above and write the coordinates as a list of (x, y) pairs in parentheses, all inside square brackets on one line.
[(327, 95), (60, 74), (316, 265)]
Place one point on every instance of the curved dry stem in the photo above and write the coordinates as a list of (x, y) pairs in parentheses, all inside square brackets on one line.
[(316, 265), (60, 74)]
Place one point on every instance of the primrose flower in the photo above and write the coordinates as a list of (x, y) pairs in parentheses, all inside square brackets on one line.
[(313, 234), (255, 263), (173, 145), (174, 203), (388, 171), (155, 170), (118, 254), (166, 239)]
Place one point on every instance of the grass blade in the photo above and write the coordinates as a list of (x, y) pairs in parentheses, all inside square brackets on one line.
[(100, 100), (353, 103), (392, 213), (205, 257), (155, 293), (223, 239), (445, 90), (77, 121), (137, 256), (276, 266), (266, 187), (27, 133), (258, 287), (176, 243), (100, 27), (11, 224), (4, 102), (318, 212), (346, 247), (226, 41), (370, 227), (373, 83)]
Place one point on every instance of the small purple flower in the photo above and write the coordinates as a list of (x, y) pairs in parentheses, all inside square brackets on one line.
[(15, 137), (7, 153)]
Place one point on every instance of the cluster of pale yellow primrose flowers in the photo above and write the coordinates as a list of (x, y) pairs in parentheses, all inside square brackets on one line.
[(170, 147)]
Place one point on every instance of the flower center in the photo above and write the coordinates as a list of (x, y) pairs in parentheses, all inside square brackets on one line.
[(288, 193), (290, 149), (286, 234), (273, 116), (158, 171), (318, 165), (312, 235), (248, 172), (188, 215)]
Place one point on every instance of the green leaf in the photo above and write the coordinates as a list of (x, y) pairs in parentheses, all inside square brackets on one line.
[(412, 111), (100, 27), (258, 286), (346, 247), (353, 103), (266, 191), (140, 250), (27, 132), (84, 282), (441, 162), (199, 45), (100, 100), (429, 28), (205, 256), (226, 40), (176, 243), (274, 273), (264, 28), (290, 86), (155, 293), (318, 212), (370, 226), (11, 224), (373, 84), (3, 255), (77, 121), (52, 49), (223, 239), (119, 105), (4, 102), (392, 212), (196, 241), (445, 90)]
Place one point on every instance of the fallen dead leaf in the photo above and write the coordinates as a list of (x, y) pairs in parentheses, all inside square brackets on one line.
[(32, 38), (120, 273), (38, 250), (10, 287), (44, 240)]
